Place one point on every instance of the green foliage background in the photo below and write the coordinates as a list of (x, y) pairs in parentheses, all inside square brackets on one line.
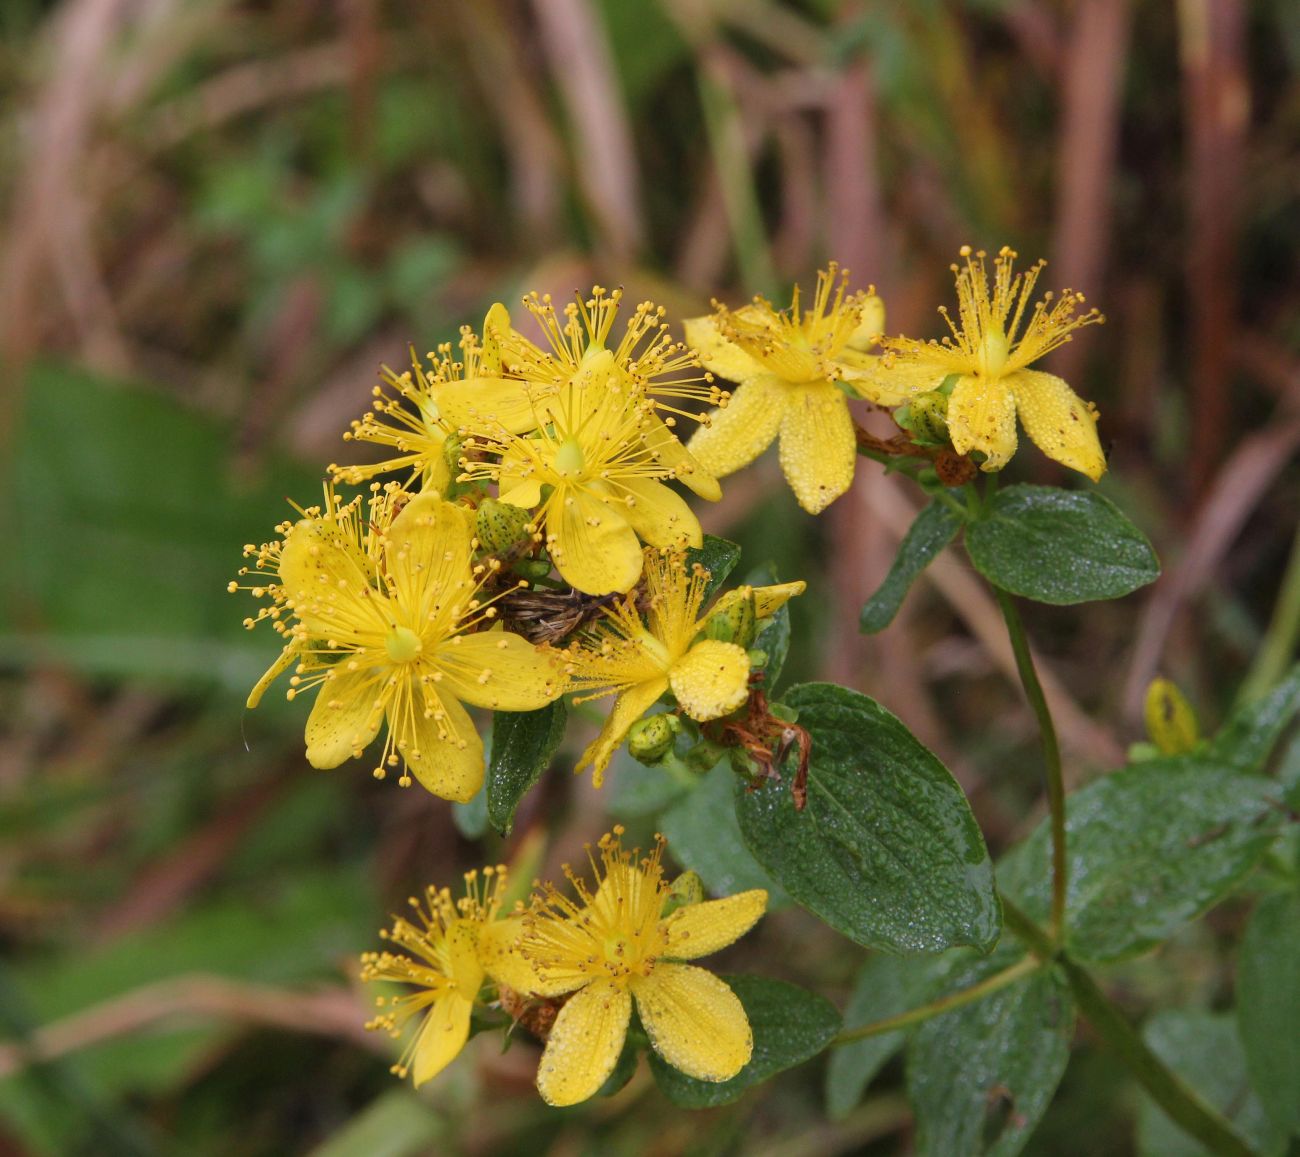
[(220, 218)]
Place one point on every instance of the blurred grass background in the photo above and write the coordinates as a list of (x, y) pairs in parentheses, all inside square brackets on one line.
[(220, 217)]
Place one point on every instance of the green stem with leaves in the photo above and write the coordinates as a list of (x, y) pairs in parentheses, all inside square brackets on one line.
[(1051, 756)]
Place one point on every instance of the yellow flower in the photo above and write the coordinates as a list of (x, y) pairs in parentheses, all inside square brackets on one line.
[(383, 613), (441, 962), (427, 407), (990, 353), (787, 364), (638, 661), (614, 947), (595, 485), (646, 364)]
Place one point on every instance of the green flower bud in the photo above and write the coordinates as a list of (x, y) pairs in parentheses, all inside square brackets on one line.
[(926, 418), (734, 619), (686, 890), (501, 526), (1170, 719), (649, 740), (532, 569)]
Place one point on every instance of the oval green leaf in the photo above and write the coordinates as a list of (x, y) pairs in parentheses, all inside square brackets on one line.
[(1060, 546), (935, 527), (981, 1077), (523, 745), (886, 850)]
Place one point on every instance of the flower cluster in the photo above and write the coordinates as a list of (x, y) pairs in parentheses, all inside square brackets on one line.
[(570, 969)]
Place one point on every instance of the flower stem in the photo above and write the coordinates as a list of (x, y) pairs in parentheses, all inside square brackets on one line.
[(1180, 1102), (1051, 756), (1279, 641), (1024, 967)]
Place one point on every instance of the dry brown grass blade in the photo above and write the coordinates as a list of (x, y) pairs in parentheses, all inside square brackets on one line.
[(1240, 484), (855, 209), (333, 1012), (1093, 87), (1216, 117), (583, 68)]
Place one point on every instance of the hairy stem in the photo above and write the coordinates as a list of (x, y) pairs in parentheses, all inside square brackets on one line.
[(1051, 757), (944, 1004)]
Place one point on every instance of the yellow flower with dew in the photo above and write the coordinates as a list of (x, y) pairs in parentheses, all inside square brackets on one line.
[(596, 489), (646, 364), (613, 947), (383, 610), (993, 342), (439, 960), (788, 363), (422, 408), (637, 659)]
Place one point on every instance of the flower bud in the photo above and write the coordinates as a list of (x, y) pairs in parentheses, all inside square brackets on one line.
[(500, 526), (686, 890), (734, 619), (649, 740), (926, 418), (1170, 719)]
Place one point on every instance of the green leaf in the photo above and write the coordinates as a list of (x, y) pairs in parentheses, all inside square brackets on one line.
[(790, 1024), (981, 1077), (1203, 1049), (123, 525), (719, 557), (1246, 740), (935, 527), (886, 850), (773, 638), (394, 1124), (1060, 546), (523, 745), (1150, 848), (1268, 1006), (704, 835), (886, 986)]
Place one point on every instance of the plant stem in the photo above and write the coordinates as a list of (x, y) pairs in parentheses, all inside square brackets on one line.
[(1051, 756), (1180, 1102), (944, 1004), (1278, 647)]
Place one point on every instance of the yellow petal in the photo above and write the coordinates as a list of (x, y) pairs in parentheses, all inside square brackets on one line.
[(584, 1045), (427, 554), (442, 1035), (862, 374), (720, 356), (442, 750), (499, 670), (322, 578), (818, 447), (739, 432), (500, 954), (659, 515), (982, 416), (524, 493), (629, 706), (496, 328), (711, 679), (699, 929), (345, 717), (672, 455), (1058, 421), (871, 324), (768, 600), (490, 403), (464, 968), (694, 1021), (286, 659), (594, 547)]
